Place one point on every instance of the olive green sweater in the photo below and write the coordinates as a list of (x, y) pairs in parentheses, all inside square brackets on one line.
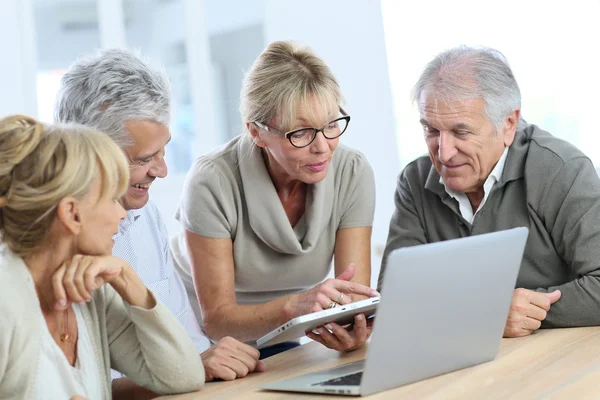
[(548, 186)]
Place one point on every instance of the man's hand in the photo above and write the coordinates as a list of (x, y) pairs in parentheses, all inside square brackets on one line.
[(230, 359), (527, 311)]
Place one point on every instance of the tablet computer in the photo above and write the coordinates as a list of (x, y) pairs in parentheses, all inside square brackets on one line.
[(297, 327)]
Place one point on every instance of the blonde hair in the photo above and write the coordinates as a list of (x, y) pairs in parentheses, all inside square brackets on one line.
[(283, 78), (40, 165)]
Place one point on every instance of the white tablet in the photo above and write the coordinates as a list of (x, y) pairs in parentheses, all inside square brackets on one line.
[(297, 327)]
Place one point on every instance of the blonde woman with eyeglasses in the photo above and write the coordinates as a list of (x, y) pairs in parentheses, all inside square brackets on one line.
[(264, 216), (69, 311)]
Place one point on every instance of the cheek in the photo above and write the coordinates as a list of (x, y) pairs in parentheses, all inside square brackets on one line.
[(137, 174)]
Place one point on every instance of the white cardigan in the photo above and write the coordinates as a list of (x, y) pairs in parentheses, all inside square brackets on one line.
[(149, 346)]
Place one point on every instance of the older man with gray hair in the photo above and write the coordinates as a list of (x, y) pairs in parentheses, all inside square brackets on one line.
[(488, 170), (115, 92)]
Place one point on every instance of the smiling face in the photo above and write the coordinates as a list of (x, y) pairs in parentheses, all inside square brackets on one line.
[(146, 160), (308, 164), (463, 144)]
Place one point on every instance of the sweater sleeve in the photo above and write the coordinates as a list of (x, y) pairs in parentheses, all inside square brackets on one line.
[(571, 210), (151, 347), (406, 228)]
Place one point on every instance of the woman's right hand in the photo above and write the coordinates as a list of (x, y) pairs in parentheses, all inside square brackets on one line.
[(327, 294)]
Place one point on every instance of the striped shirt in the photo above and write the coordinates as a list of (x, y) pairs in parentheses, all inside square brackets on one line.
[(143, 242)]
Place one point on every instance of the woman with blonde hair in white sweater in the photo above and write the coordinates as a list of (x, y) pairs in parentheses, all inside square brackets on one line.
[(70, 311)]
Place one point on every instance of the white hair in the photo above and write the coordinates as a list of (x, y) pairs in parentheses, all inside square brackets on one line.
[(466, 73), (105, 89)]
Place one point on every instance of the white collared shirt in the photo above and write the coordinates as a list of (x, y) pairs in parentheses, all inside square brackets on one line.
[(466, 210), (143, 242)]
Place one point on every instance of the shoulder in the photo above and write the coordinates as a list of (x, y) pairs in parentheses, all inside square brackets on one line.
[(220, 163), (548, 150), (417, 172), (350, 164)]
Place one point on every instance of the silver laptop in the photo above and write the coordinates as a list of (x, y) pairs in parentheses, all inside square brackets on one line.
[(443, 307)]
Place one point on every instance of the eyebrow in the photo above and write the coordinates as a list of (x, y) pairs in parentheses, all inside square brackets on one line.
[(144, 157), (457, 127)]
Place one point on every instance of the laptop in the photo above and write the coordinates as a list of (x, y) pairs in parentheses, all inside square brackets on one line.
[(443, 307)]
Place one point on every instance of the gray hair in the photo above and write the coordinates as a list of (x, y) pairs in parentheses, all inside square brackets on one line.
[(105, 89), (466, 73)]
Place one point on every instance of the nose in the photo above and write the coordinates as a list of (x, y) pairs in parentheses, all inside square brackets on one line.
[(319, 145), (159, 169), (446, 147)]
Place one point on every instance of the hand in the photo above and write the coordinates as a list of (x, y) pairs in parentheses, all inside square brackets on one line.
[(78, 397), (230, 359), (331, 292), (337, 338), (527, 311), (76, 279)]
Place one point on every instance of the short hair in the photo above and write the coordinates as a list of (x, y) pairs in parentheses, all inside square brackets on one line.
[(466, 73), (40, 165), (284, 77), (105, 89)]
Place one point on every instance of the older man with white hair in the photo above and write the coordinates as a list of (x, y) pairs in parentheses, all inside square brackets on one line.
[(488, 170), (115, 92)]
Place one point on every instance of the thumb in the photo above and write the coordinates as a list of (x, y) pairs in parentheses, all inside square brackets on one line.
[(348, 274), (554, 296), (260, 367)]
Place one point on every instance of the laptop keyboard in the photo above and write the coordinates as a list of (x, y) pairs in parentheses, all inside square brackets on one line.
[(346, 380)]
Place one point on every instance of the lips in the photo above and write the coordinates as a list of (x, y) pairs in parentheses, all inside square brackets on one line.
[(142, 186), (317, 166)]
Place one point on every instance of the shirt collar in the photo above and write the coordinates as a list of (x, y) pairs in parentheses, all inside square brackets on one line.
[(130, 219)]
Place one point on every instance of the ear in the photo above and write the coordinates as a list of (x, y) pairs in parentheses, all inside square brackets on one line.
[(255, 133), (510, 127), (67, 212)]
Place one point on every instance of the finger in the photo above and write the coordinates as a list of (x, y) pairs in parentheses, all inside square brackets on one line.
[(530, 324), (315, 337), (329, 338), (71, 289), (324, 301), (345, 338), (251, 351), (245, 359), (536, 312), (554, 296), (260, 367), (348, 273), (222, 372), (94, 278), (79, 278), (539, 299), (236, 365), (349, 288), (361, 331), (58, 288)]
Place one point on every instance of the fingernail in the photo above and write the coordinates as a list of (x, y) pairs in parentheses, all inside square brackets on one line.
[(61, 303), (360, 317), (316, 332), (329, 327), (376, 293)]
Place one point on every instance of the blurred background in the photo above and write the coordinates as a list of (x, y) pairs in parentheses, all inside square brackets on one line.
[(376, 49)]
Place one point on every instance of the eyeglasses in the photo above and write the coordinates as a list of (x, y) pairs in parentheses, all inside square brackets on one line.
[(303, 137)]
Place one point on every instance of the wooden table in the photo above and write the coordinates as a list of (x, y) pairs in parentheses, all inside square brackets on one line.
[(558, 363)]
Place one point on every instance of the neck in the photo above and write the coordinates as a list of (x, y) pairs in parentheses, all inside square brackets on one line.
[(43, 264), (284, 184), (476, 197)]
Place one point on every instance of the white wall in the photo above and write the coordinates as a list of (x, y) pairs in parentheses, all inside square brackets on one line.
[(348, 35)]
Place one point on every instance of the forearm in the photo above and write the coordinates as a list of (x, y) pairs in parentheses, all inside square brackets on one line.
[(247, 322), (579, 304)]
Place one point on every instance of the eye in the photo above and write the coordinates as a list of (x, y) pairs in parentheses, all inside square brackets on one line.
[(461, 133), (332, 125), (430, 131), (300, 134)]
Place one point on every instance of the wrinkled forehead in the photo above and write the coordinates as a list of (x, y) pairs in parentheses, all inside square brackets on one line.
[(311, 111), (433, 107)]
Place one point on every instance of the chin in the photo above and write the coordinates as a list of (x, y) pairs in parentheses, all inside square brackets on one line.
[(134, 202)]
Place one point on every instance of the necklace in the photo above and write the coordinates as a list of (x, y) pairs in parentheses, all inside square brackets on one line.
[(65, 335)]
